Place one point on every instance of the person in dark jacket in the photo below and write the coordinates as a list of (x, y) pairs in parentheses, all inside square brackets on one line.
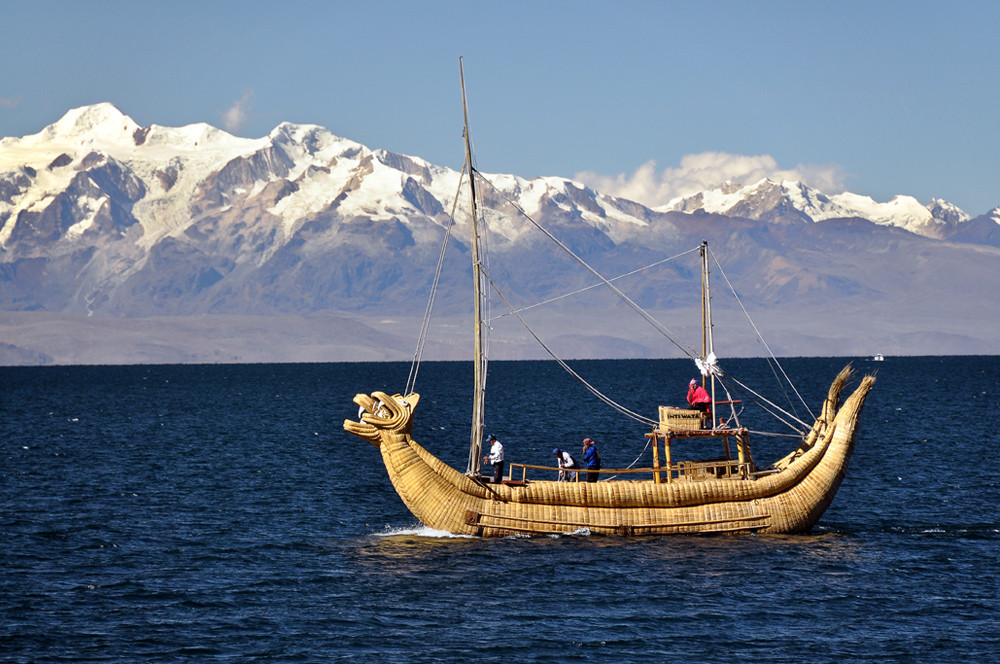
[(591, 459)]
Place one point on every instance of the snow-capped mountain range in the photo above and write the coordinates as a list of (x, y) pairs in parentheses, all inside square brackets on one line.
[(102, 217), (772, 201)]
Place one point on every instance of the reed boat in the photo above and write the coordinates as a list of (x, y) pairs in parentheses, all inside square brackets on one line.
[(727, 493)]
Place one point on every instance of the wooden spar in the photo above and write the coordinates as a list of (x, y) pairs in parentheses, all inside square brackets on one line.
[(707, 340), (704, 339), (479, 367)]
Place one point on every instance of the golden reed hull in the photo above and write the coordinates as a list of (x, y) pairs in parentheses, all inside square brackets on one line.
[(788, 501)]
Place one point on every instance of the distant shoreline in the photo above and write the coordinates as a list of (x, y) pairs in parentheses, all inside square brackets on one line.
[(55, 339)]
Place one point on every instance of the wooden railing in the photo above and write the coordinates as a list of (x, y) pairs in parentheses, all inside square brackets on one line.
[(703, 469)]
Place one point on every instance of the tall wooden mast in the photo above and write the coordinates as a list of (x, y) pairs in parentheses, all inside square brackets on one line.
[(479, 368), (707, 342)]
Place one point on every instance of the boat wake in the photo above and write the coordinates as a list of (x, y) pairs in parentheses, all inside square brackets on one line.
[(432, 533), (421, 531)]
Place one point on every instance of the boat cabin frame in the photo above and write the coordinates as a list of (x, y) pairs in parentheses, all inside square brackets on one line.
[(674, 427)]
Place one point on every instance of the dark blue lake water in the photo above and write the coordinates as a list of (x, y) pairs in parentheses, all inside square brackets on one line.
[(220, 513)]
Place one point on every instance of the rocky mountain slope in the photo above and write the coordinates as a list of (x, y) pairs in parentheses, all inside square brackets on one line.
[(103, 220)]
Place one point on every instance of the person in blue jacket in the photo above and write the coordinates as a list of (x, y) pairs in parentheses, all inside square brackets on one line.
[(591, 459)]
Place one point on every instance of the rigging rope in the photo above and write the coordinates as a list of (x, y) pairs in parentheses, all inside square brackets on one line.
[(411, 381), (772, 434), (634, 461), (598, 284), (670, 336), (484, 259), (593, 390), (760, 337), (761, 400)]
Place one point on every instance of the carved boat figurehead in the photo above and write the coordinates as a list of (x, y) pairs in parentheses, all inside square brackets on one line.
[(381, 414)]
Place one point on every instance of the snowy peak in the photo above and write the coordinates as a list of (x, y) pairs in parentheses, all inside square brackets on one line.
[(198, 136), (946, 212), (788, 201), (100, 123), (765, 200), (104, 129)]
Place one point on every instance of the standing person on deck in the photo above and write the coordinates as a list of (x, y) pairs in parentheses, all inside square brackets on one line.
[(698, 397), (591, 459), (496, 458)]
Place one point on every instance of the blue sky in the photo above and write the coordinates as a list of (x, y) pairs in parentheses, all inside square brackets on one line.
[(646, 99)]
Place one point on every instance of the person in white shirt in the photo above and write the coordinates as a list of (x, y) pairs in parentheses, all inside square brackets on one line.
[(566, 464), (496, 458)]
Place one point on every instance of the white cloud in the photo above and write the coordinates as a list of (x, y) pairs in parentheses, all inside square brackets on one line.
[(708, 170), (235, 118)]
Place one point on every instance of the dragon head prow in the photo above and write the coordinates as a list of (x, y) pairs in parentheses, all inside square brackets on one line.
[(381, 412)]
